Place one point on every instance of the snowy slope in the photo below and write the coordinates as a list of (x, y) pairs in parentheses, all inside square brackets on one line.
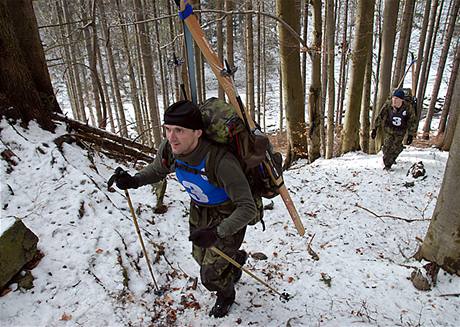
[(90, 245)]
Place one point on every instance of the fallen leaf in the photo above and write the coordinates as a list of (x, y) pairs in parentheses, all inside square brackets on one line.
[(66, 317), (99, 251)]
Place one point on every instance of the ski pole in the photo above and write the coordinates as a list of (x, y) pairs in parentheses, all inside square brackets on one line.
[(118, 171), (283, 296), (136, 225)]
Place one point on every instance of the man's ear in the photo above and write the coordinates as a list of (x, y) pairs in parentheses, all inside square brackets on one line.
[(198, 132)]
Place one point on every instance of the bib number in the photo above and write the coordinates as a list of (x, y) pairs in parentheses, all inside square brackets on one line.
[(195, 192), (396, 121)]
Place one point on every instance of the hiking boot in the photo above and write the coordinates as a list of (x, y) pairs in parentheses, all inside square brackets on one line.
[(222, 305), (241, 257)]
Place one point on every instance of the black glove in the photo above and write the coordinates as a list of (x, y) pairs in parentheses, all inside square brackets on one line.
[(374, 133), (409, 140), (124, 180), (204, 237)]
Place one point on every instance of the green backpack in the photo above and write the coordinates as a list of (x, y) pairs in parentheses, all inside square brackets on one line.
[(224, 127)]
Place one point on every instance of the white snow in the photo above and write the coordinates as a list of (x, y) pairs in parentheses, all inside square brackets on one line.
[(5, 224), (88, 239)]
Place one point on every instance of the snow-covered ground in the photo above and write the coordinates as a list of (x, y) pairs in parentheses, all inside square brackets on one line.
[(90, 245)]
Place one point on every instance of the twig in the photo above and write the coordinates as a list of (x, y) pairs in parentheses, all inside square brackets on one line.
[(452, 294), (389, 216), (310, 251)]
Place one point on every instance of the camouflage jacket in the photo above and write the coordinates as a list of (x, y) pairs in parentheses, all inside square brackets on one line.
[(390, 119), (229, 175)]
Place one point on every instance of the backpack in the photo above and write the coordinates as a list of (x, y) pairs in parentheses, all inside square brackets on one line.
[(223, 126), (410, 99)]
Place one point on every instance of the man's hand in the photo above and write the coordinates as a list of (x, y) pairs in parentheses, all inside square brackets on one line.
[(124, 180), (374, 133), (409, 140), (204, 237)]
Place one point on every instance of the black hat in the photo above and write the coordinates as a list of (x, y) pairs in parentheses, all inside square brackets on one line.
[(184, 113), (399, 93)]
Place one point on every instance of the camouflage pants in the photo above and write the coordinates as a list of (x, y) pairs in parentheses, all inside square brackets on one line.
[(392, 147), (216, 273)]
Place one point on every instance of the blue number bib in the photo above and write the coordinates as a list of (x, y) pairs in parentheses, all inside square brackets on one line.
[(198, 187)]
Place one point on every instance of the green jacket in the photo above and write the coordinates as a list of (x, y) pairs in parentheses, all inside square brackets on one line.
[(383, 118), (229, 175)]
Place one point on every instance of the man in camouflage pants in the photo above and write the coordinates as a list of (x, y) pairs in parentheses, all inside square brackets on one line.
[(396, 117), (219, 212)]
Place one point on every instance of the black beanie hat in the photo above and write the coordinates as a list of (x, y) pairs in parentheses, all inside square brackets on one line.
[(184, 113), (399, 93)]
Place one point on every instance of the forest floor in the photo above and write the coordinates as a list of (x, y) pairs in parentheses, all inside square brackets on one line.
[(352, 267)]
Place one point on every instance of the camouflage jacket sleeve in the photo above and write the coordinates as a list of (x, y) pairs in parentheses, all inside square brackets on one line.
[(155, 171), (231, 177), (382, 116)]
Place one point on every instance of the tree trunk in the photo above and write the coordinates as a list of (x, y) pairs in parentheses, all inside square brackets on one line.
[(440, 71), (330, 32), (132, 79), (164, 85), (69, 65), (304, 53), (343, 62), (403, 45), (366, 104), (25, 83), (314, 96), (75, 65), (176, 81), (250, 62), (92, 66), (292, 81), (147, 62), (426, 18), (361, 45), (121, 121), (426, 58), (442, 240), (390, 15), (453, 117), (220, 43), (259, 63), (449, 94)]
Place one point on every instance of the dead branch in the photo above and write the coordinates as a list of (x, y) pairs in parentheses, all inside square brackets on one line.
[(389, 216), (108, 143)]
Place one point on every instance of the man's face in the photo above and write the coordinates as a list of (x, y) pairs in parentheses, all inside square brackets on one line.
[(396, 102), (183, 140)]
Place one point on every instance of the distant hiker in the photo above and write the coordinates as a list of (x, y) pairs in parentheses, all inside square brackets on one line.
[(396, 117), (219, 213)]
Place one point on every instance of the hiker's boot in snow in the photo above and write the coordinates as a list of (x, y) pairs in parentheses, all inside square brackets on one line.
[(222, 305), (241, 257)]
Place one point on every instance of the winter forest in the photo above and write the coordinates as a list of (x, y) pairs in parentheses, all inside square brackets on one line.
[(83, 89)]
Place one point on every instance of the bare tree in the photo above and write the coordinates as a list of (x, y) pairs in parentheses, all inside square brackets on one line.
[(442, 240), (361, 45), (390, 14), (293, 98), (453, 117), (330, 32), (450, 90), (314, 95), (403, 45), (441, 65)]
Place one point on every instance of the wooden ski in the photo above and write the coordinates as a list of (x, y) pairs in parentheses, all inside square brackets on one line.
[(226, 82)]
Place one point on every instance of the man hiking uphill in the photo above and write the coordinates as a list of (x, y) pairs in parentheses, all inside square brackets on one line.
[(219, 213), (396, 117)]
